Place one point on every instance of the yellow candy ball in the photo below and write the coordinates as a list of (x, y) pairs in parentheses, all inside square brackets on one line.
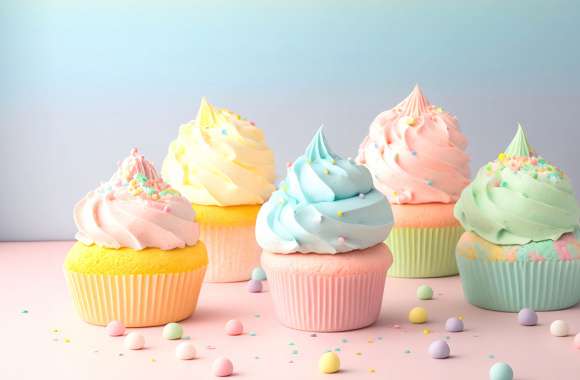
[(329, 362), (418, 315)]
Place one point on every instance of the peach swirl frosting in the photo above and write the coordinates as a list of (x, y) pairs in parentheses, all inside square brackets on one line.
[(416, 153), (136, 209)]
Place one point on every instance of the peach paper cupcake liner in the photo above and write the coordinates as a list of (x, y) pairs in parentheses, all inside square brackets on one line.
[(326, 303), (138, 300), (232, 252)]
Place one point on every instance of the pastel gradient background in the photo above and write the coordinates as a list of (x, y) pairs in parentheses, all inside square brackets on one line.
[(82, 84)]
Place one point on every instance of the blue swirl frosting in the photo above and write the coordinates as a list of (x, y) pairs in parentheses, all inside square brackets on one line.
[(325, 205)]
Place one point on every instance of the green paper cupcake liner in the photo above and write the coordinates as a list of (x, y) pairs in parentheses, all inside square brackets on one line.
[(423, 252), (512, 286)]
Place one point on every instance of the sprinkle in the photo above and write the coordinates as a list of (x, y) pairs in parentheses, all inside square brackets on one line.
[(344, 340), (341, 240), (187, 337), (426, 331), (429, 182), (503, 184), (358, 353), (410, 121), (439, 109), (153, 360), (361, 196), (460, 317), (337, 349), (252, 333), (370, 341), (407, 351), (447, 337), (24, 311), (257, 315), (333, 161), (414, 152), (317, 218), (501, 156), (55, 331), (291, 343), (66, 340), (224, 132), (396, 326), (120, 354), (379, 338), (294, 352), (209, 347), (166, 209), (313, 335), (371, 370), (326, 171), (491, 356), (289, 164), (339, 213)]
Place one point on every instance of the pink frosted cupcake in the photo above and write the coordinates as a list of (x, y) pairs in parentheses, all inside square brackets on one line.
[(322, 236), (416, 154)]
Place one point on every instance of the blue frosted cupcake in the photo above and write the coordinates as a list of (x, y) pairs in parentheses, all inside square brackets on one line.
[(521, 247)]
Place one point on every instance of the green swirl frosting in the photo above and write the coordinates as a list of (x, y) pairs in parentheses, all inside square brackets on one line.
[(518, 198)]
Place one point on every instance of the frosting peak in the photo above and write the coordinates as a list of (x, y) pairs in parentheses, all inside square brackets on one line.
[(135, 209), (416, 153), (518, 198), (326, 204), (220, 159)]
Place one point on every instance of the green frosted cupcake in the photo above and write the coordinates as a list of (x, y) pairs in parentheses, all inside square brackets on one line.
[(521, 247)]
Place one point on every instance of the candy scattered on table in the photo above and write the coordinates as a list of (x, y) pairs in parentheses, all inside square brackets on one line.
[(222, 367), (527, 317), (185, 351), (454, 325), (329, 362), (134, 341), (172, 331), (115, 328), (258, 274), (424, 292), (559, 328), (426, 331), (501, 371), (234, 327), (254, 286), (577, 341), (439, 349), (418, 315)]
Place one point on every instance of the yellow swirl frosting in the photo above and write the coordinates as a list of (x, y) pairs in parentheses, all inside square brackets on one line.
[(220, 159)]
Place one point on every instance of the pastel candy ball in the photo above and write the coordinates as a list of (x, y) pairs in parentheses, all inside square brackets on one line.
[(185, 351), (577, 341), (115, 328), (258, 274), (234, 327), (559, 328), (172, 331), (501, 371), (134, 341), (439, 349), (454, 325), (329, 362), (254, 286), (222, 367), (527, 317), (424, 292), (418, 315)]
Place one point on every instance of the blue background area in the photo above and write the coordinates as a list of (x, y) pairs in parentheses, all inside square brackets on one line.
[(82, 84)]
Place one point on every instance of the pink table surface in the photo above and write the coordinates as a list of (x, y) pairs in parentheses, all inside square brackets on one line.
[(42, 337)]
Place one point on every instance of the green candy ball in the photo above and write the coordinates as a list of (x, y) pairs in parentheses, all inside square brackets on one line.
[(172, 331), (424, 292), (258, 274)]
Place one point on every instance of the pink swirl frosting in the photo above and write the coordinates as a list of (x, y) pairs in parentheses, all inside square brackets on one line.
[(416, 153), (136, 209)]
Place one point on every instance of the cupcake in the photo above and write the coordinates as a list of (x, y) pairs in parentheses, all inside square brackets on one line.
[(137, 259), (221, 163), (322, 236), (416, 154), (521, 248)]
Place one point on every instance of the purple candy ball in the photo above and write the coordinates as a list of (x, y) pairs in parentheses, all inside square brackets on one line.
[(439, 349), (527, 317), (454, 325), (254, 286)]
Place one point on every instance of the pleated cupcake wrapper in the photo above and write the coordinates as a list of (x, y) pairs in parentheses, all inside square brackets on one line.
[(512, 286), (423, 252), (326, 303), (232, 251), (137, 300)]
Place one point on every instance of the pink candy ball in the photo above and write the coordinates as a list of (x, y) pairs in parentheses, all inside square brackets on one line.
[(185, 351), (134, 341), (254, 286), (222, 367), (577, 341), (234, 327), (115, 328)]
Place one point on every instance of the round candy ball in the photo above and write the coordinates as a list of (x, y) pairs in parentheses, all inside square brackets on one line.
[(222, 367), (134, 341), (577, 341), (115, 328), (501, 371), (454, 325), (234, 327), (418, 315), (172, 331), (329, 362), (559, 328), (185, 351), (258, 274), (424, 292), (254, 286), (439, 349), (527, 317)]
